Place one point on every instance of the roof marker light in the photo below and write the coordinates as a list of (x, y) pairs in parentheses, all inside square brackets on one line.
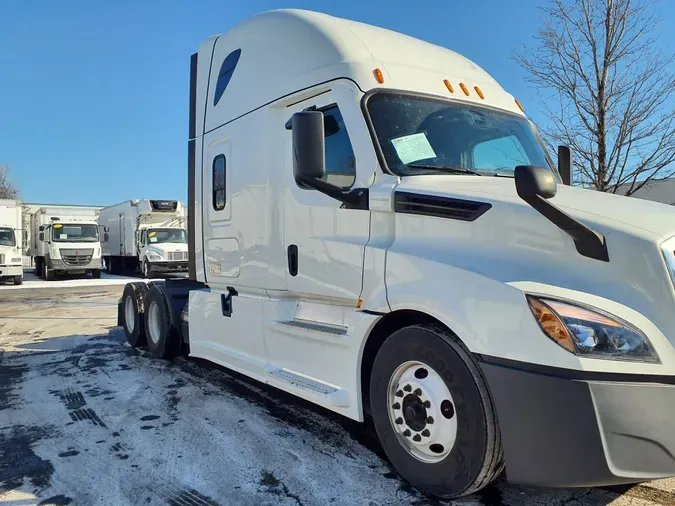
[(520, 107), (448, 86), (464, 89), (480, 92), (378, 76)]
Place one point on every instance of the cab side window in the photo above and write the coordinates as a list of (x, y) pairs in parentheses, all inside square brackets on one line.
[(340, 160), (218, 194)]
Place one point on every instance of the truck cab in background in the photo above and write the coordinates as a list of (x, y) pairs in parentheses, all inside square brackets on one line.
[(12, 241), (375, 226), (65, 242), (149, 235)]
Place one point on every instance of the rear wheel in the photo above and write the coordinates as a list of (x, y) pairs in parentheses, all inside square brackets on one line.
[(433, 413), (163, 338), (18, 280), (133, 313), (96, 274), (110, 266), (38, 267)]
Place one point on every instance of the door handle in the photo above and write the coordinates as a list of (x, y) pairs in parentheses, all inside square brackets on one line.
[(293, 260)]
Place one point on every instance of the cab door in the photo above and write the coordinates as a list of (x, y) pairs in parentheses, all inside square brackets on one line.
[(325, 242)]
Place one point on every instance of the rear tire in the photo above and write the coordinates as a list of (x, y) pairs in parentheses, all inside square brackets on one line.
[(109, 263), (96, 274), (433, 413), (18, 280), (38, 267), (133, 313), (163, 339)]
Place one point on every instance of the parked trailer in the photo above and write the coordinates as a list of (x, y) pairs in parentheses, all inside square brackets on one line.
[(145, 234), (65, 241), (12, 239), (376, 227)]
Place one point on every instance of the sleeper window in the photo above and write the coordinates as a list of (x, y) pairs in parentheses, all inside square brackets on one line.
[(340, 160), (219, 182)]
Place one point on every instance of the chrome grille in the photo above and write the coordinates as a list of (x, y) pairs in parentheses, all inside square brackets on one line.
[(178, 256), (76, 257)]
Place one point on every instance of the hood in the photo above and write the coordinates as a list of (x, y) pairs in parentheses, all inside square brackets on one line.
[(605, 210), (512, 242), (167, 247)]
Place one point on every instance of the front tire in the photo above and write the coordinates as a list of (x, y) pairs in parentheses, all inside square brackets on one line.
[(47, 273), (96, 274), (433, 413), (18, 280), (145, 269)]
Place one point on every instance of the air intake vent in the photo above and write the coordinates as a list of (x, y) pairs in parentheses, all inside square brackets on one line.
[(441, 207), (164, 205)]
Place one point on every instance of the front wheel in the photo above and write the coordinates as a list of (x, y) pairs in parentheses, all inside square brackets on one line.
[(47, 273), (145, 268), (96, 274), (18, 280), (433, 413)]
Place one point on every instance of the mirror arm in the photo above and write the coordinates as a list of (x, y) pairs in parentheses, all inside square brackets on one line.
[(351, 199), (588, 242)]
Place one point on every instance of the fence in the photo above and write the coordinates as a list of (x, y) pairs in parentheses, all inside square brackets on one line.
[(28, 262)]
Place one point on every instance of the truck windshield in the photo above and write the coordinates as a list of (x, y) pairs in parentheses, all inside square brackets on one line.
[(423, 135), (161, 235), (74, 232), (7, 237)]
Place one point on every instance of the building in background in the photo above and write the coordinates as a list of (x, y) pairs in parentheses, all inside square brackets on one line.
[(658, 190)]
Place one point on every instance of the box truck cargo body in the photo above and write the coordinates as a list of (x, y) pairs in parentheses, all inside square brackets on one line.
[(11, 241), (145, 234), (65, 241), (376, 226)]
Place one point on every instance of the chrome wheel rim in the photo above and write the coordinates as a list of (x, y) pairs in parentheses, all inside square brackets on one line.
[(129, 314), (422, 412), (153, 322), (145, 269)]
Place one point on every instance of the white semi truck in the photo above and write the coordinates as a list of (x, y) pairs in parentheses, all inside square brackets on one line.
[(375, 226), (65, 241), (145, 234), (12, 240)]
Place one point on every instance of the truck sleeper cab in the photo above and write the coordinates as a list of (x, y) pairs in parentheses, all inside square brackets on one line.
[(376, 227), (12, 239)]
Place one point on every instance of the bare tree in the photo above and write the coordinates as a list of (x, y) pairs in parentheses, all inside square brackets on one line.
[(607, 89), (7, 189)]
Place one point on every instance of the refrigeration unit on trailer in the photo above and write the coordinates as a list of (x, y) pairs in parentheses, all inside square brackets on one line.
[(376, 226), (12, 239), (146, 234), (65, 241)]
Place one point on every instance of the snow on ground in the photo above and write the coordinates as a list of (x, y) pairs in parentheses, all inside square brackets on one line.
[(30, 280)]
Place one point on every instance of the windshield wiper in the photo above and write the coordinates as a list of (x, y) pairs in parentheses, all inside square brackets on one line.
[(444, 168)]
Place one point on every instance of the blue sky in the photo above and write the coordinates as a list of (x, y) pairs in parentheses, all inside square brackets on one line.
[(94, 95)]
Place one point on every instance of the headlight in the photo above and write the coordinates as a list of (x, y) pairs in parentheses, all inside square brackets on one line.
[(154, 256), (668, 248), (591, 333), (16, 259)]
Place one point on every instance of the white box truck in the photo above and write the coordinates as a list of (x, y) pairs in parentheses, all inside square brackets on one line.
[(65, 241), (375, 226), (145, 234), (12, 240)]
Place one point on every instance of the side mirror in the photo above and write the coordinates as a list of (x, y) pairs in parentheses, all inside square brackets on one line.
[(106, 229), (565, 164), (532, 181), (308, 146), (106, 237), (42, 227), (41, 237)]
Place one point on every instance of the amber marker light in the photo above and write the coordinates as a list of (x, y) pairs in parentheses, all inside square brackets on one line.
[(464, 89), (480, 92), (378, 76), (551, 324), (448, 86)]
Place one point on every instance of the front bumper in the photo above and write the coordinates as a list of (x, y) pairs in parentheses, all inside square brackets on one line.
[(159, 267), (60, 265), (567, 428), (7, 271)]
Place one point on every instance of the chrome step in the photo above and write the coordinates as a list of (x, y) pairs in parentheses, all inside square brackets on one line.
[(303, 382)]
